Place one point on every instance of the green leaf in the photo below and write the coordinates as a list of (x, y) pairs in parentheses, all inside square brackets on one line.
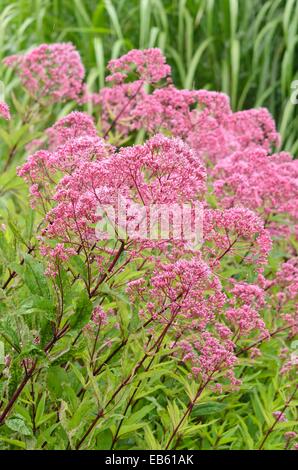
[(82, 312), (5, 136), (40, 408), (57, 377), (18, 424), (130, 428), (104, 440), (34, 277), (139, 415), (31, 350), (79, 266), (151, 442), (13, 442), (206, 409), (36, 303)]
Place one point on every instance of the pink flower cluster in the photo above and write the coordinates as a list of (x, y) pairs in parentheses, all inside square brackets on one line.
[(118, 104), (279, 416), (204, 119), (194, 143), (4, 111), (287, 279), (178, 298), (70, 127), (287, 296), (225, 228), (161, 171), (50, 72), (149, 65), (262, 182)]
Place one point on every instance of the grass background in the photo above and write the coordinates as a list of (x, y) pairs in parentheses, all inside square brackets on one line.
[(246, 48)]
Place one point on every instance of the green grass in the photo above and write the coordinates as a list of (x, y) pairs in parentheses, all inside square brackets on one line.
[(246, 48)]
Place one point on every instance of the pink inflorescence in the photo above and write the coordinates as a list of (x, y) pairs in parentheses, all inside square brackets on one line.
[(161, 171), (193, 143), (53, 72), (252, 178), (149, 65), (118, 104), (129, 75), (279, 416), (75, 124), (4, 111)]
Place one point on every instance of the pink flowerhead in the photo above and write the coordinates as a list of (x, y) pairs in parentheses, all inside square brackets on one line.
[(148, 65), (280, 416), (73, 125), (53, 72), (4, 111)]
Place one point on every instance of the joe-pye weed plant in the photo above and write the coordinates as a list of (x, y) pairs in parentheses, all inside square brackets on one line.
[(133, 342)]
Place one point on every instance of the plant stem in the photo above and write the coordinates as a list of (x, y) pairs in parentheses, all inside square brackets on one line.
[(28, 375), (103, 277), (115, 438), (114, 122), (33, 405), (277, 418), (188, 411), (14, 273), (17, 393), (156, 345)]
